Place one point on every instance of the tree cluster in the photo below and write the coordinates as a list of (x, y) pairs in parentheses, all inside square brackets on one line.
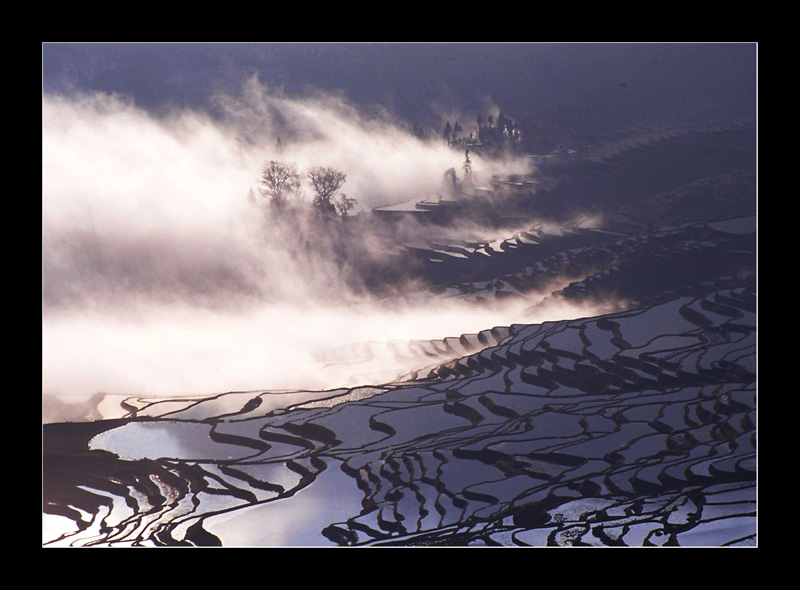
[(503, 129), (281, 183), (488, 132)]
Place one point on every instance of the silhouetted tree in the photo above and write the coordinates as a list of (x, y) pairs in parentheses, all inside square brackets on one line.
[(326, 181), (504, 125), (278, 180), (447, 132), (344, 204)]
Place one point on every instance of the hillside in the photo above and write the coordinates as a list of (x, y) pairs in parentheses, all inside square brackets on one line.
[(633, 424)]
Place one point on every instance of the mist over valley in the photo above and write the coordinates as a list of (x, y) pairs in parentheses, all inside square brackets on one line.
[(455, 293)]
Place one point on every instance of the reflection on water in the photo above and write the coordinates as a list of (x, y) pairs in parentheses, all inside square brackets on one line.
[(522, 442)]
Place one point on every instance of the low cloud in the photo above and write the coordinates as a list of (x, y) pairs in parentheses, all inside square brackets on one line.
[(161, 277)]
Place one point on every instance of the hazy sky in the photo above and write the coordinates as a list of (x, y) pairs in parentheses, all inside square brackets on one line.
[(412, 79)]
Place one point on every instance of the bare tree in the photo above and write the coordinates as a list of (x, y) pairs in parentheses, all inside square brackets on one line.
[(278, 180), (326, 181), (344, 204)]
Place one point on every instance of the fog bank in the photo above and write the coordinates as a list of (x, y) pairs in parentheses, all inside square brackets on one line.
[(162, 273)]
